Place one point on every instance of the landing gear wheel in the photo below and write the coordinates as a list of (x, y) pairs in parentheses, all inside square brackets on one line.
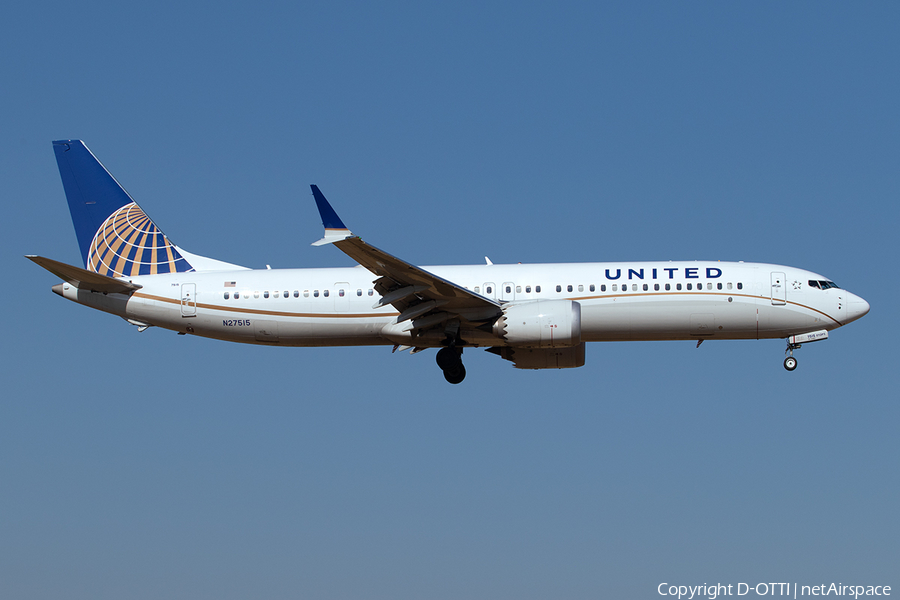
[(450, 362), (456, 374), (790, 363), (447, 358)]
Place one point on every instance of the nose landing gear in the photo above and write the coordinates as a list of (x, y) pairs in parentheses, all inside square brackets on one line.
[(794, 342), (790, 363), (449, 359)]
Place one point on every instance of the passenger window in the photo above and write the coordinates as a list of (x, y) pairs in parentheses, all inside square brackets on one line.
[(266, 294), (488, 289), (509, 289), (370, 292), (592, 288), (634, 287), (518, 289), (559, 288), (678, 286), (656, 287), (537, 289), (709, 285), (325, 293), (315, 293), (668, 286), (256, 294), (719, 285), (580, 288), (341, 293), (615, 287), (729, 286), (527, 289), (359, 292), (569, 288), (227, 295), (740, 286), (689, 287), (646, 287), (603, 288), (305, 293)]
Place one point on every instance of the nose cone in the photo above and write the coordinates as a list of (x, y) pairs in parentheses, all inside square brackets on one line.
[(856, 308)]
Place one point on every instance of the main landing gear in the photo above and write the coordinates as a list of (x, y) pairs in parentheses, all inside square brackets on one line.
[(449, 359)]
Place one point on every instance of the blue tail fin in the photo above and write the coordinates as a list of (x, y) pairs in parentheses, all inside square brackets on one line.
[(115, 236)]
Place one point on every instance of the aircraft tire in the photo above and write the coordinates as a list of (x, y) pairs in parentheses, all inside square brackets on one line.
[(447, 358), (455, 375), (790, 363)]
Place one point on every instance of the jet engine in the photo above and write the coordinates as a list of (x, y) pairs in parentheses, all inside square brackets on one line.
[(540, 324), (542, 358)]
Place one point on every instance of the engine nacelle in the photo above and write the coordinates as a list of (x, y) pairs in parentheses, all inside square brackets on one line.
[(541, 324), (543, 358)]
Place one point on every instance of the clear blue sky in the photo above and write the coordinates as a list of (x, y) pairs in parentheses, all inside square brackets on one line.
[(160, 466)]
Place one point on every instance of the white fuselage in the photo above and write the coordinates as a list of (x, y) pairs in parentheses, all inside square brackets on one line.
[(334, 306)]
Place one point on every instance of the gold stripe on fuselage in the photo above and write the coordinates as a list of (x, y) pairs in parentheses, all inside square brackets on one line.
[(336, 315)]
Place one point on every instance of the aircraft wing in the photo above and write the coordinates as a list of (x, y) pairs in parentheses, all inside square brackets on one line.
[(419, 295), (84, 279)]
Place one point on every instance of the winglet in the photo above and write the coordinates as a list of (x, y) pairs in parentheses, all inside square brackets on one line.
[(335, 230)]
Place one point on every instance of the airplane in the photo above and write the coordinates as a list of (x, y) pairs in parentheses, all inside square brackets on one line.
[(537, 316)]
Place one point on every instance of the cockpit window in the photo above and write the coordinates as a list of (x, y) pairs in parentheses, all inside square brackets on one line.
[(822, 285), (813, 283)]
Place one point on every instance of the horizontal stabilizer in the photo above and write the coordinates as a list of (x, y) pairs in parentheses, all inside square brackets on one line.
[(84, 279)]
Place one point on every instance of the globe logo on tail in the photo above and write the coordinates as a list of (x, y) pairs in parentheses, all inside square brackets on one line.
[(129, 243)]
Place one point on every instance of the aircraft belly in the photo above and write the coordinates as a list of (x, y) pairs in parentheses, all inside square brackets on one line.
[(155, 312), (789, 319), (333, 332), (605, 320), (672, 318), (116, 304)]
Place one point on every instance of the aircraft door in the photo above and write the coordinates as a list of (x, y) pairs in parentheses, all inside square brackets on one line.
[(508, 292), (779, 297), (188, 299), (489, 290), (341, 296)]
